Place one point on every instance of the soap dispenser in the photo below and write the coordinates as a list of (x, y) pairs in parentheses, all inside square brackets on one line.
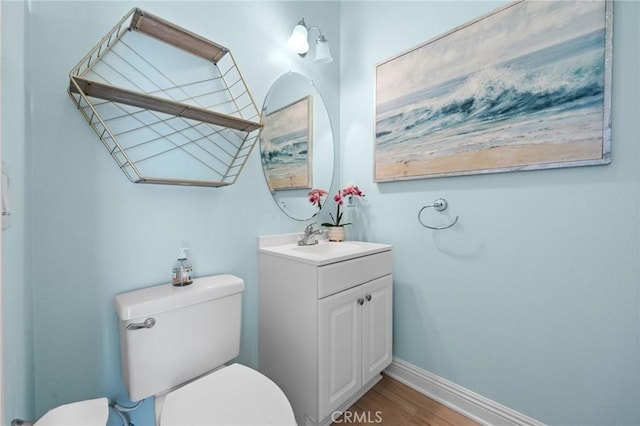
[(182, 273)]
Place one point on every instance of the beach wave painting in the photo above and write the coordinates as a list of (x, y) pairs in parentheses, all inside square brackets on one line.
[(286, 145), (525, 87)]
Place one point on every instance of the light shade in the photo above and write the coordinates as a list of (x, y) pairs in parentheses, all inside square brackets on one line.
[(323, 55), (298, 39)]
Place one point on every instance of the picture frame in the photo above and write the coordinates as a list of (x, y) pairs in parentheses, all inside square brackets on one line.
[(527, 86), (286, 148)]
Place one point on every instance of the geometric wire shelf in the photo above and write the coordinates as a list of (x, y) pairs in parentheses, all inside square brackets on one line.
[(170, 106)]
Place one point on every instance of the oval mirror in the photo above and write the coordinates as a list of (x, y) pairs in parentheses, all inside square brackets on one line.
[(296, 144)]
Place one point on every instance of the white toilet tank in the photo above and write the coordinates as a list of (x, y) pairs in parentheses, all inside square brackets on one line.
[(195, 329)]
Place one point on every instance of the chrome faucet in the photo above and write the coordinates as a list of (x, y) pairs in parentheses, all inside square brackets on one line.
[(309, 233)]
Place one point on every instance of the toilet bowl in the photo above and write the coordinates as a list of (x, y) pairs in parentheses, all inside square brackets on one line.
[(233, 395)]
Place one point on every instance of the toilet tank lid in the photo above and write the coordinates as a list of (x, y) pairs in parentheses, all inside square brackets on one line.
[(162, 298)]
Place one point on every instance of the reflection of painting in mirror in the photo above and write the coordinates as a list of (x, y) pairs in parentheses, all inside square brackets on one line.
[(526, 87), (286, 150)]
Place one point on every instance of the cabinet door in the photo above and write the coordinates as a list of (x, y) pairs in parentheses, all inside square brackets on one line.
[(340, 348), (377, 327)]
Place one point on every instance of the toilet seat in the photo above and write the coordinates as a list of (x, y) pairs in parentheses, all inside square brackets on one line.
[(233, 395)]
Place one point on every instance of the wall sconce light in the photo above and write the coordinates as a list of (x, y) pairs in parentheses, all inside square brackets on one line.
[(299, 44)]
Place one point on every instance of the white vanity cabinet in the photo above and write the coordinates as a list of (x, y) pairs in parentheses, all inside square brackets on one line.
[(354, 338), (325, 325)]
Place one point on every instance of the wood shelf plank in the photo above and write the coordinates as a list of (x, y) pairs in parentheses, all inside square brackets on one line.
[(176, 36), (116, 94)]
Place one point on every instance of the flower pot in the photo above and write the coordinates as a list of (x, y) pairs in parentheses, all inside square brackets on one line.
[(336, 233)]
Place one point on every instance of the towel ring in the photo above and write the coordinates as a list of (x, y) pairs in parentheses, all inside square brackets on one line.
[(440, 205)]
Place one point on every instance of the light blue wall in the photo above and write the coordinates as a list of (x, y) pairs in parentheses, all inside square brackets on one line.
[(532, 299), (95, 234), (17, 301)]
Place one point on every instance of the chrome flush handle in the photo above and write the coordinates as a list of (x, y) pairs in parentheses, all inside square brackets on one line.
[(148, 323)]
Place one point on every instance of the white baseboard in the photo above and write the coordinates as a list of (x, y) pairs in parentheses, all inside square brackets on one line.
[(466, 402)]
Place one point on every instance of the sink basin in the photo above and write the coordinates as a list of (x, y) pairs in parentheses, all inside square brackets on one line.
[(328, 248), (324, 252)]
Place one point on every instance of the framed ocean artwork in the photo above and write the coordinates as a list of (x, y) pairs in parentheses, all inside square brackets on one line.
[(286, 146), (527, 86)]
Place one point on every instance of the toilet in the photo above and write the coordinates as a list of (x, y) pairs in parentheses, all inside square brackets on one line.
[(174, 343)]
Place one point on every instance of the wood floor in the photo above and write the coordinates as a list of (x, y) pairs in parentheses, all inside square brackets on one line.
[(392, 403)]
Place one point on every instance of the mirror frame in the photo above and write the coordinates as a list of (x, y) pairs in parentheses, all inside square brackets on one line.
[(285, 91)]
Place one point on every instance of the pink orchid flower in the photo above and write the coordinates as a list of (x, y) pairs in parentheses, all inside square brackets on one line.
[(315, 198)]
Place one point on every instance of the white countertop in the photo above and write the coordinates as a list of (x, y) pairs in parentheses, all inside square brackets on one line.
[(323, 253)]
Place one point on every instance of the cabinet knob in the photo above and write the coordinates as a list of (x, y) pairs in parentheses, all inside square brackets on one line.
[(360, 301), (368, 297)]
